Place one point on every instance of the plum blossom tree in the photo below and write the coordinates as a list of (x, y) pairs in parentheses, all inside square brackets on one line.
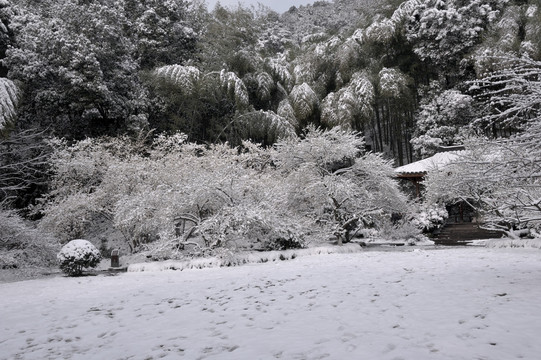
[(179, 194), (344, 188)]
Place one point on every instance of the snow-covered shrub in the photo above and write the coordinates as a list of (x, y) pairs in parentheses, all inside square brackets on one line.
[(368, 233), (430, 218), (78, 255), (514, 243), (401, 231), (22, 246), (286, 240)]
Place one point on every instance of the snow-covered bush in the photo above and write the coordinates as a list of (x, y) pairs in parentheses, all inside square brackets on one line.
[(285, 240), (400, 231), (78, 255), (514, 243), (430, 218)]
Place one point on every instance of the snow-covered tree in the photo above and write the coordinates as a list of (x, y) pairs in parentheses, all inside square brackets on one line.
[(304, 102), (202, 105), (23, 246), (235, 88), (351, 106), (329, 150), (279, 69), (511, 95), (363, 89), (24, 164), (393, 83), (404, 11), (502, 177), (380, 31), (516, 32), (285, 110), (349, 57), (229, 40), (6, 35), (265, 127), (338, 109), (160, 31), (442, 31), (442, 121), (76, 71), (185, 77), (343, 188), (78, 255)]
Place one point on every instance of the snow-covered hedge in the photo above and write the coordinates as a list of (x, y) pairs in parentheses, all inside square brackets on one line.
[(78, 255), (514, 243)]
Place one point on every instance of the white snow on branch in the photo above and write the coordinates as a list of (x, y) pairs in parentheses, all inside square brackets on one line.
[(185, 76), (9, 96)]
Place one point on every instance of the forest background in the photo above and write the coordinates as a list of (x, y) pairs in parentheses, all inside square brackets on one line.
[(93, 92)]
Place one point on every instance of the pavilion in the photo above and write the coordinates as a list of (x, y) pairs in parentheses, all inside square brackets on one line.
[(416, 171)]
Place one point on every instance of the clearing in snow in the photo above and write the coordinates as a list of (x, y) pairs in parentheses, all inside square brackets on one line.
[(461, 303)]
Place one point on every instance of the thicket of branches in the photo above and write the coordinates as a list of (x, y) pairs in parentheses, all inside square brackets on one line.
[(502, 178), (180, 194), (410, 75)]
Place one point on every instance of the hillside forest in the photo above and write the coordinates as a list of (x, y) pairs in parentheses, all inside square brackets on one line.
[(160, 126)]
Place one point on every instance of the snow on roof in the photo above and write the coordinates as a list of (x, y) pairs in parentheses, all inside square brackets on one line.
[(423, 166)]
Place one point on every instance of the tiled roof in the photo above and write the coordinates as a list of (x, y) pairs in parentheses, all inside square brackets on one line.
[(423, 166)]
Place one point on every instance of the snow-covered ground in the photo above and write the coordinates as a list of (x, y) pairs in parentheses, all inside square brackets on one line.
[(463, 303)]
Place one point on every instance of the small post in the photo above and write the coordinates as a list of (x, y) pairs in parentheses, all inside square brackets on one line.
[(115, 258)]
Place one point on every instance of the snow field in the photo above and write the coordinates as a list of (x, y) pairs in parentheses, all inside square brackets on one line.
[(463, 303)]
